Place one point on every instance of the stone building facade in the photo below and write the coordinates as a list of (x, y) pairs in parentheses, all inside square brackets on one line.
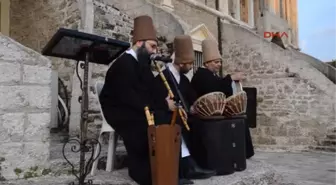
[(296, 102)]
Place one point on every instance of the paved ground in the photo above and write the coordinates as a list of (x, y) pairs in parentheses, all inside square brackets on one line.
[(303, 168), (256, 173), (263, 168)]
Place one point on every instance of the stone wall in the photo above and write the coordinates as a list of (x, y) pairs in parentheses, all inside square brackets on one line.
[(25, 104), (296, 103), (192, 16), (111, 21), (33, 23), (167, 24)]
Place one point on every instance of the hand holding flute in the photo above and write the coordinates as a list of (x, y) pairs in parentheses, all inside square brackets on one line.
[(171, 96)]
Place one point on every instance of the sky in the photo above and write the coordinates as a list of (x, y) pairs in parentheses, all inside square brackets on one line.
[(317, 28)]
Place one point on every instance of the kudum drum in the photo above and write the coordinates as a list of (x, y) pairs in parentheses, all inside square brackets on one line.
[(211, 104), (236, 104)]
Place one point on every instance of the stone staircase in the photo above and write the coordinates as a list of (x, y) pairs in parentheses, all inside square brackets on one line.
[(328, 144)]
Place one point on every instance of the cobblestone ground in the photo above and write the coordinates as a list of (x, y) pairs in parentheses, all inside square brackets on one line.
[(302, 168)]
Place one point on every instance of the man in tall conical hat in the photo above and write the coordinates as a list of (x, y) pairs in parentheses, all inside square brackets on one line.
[(206, 80), (127, 90), (209, 72), (183, 62)]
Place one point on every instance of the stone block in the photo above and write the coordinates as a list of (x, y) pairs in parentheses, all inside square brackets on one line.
[(10, 72), (36, 74), (38, 96), (294, 131), (18, 97), (12, 97), (265, 140), (11, 155), (36, 153), (12, 127), (280, 130), (299, 140), (26, 157), (37, 128)]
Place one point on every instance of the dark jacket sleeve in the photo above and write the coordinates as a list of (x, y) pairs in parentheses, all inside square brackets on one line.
[(160, 93), (225, 84), (124, 86), (191, 93)]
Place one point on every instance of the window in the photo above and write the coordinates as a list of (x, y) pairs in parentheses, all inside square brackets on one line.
[(198, 60)]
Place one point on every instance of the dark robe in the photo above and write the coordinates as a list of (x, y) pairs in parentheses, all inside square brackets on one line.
[(184, 87), (127, 90), (189, 97), (204, 81)]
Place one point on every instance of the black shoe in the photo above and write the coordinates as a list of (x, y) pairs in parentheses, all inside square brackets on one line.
[(185, 181), (193, 171)]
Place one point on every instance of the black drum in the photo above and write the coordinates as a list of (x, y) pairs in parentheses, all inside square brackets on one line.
[(218, 143)]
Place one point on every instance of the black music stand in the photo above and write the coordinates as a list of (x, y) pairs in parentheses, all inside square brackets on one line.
[(80, 46)]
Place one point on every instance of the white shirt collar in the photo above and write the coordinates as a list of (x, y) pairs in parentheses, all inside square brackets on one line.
[(175, 72), (132, 52)]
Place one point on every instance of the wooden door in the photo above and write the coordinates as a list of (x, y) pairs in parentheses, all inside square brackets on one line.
[(244, 10), (4, 16)]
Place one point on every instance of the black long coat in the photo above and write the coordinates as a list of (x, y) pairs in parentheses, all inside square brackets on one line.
[(204, 81), (129, 87), (184, 86)]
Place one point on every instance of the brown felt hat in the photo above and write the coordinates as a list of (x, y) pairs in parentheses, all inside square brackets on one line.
[(210, 50), (183, 48), (143, 29)]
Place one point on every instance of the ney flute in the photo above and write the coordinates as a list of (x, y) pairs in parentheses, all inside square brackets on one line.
[(171, 95)]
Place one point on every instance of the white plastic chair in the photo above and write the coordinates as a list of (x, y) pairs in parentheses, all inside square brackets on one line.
[(105, 128)]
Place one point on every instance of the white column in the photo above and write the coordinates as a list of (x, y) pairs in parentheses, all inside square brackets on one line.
[(271, 6), (167, 4), (236, 9), (251, 13), (224, 7)]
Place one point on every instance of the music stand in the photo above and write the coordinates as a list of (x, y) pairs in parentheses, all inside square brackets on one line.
[(80, 46)]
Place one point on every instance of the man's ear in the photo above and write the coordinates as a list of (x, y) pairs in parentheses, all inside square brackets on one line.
[(138, 44)]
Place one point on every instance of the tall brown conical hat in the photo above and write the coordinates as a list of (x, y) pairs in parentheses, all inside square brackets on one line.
[(143, 29), (210, 50), (183, 48)]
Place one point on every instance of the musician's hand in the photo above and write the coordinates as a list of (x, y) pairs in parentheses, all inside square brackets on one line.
[(171, 104), (238, 76), (192, 110), (185, 115)]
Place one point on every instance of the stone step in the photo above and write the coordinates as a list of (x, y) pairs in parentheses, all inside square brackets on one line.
[(329, 142), (331, 136), (256, 173), (325, 148)]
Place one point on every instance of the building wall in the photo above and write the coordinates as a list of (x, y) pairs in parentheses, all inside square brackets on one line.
[(33, 23), (287, 10), (113, 18), (296, 102), (25, 104)]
